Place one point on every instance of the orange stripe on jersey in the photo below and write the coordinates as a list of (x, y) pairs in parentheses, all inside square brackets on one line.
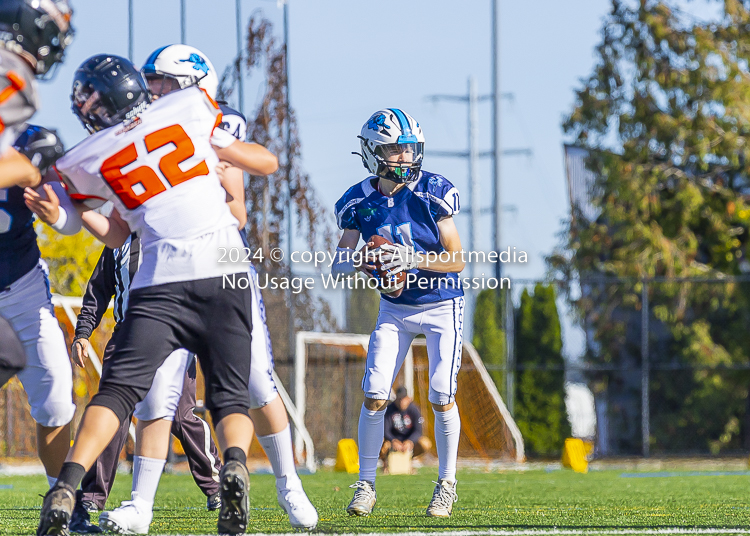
[(219, 118), (16, 84), (2, 126), (213, 102)]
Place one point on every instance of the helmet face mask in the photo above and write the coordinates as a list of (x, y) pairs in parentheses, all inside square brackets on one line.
[(161, 84), (392, 146), (108, 90)]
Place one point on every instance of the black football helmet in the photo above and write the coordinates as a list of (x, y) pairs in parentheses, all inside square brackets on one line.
[(108, 90), (40, 145), (37, 30)]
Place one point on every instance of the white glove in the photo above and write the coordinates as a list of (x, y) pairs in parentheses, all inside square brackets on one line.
[(398, 258)]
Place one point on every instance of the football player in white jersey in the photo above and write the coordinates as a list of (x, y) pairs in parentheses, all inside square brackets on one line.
[(413, 209), (33, 38), (156, 162), (168, 69)]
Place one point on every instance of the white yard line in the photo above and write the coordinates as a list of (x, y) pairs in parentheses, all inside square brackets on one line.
[(541, 532)]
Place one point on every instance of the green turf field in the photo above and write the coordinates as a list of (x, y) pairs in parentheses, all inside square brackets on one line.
[(551, 501)]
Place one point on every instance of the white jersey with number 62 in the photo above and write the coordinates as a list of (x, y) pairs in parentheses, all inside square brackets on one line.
[(159, 171)]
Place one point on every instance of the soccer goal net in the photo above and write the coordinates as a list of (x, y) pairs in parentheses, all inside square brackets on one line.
[(328, 396)]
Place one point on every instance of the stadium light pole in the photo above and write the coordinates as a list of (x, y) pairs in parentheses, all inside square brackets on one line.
[(130, 30)]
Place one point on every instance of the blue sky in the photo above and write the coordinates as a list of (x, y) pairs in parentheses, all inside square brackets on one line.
[(351, 58)]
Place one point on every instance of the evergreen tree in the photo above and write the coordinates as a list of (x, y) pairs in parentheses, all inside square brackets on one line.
[(489, 338), (540, 394)]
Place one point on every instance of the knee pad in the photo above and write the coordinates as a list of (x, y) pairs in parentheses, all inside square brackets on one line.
[(121, 399)]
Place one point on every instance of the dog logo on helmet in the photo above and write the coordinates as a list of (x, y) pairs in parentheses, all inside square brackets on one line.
[(199, 64)]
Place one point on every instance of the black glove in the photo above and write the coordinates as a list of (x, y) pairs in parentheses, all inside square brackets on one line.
[(41, 146)]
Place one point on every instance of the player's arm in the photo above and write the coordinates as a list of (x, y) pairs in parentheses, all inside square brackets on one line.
[(451, 242), (347, 259), (17, 170), (99, 291), (52, 205), (233, 181), (112, 230), (250, 157)]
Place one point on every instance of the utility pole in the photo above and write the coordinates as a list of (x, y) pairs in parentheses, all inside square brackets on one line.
[(473, 154), (496, 134), (473, 175), (183, 21), (240, 86)]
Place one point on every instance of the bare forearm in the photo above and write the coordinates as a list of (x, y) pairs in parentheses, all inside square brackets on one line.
[(251, 157), (17, 170), (447, 261), (113, 232)]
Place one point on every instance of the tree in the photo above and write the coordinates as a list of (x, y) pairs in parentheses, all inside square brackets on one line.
[(489, 338), (268, 198), (665, 118), (71, 259), (540, 393)]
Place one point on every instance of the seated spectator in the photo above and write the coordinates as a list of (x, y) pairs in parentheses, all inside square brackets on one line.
[(403, 428)]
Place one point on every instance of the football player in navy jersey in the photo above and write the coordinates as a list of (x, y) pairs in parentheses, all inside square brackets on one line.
[(414, 210), (26, 304)]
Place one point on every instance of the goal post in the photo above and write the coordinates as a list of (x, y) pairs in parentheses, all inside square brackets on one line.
[(328, 369)]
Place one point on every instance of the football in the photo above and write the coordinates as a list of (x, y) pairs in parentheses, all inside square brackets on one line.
[(393, 285)]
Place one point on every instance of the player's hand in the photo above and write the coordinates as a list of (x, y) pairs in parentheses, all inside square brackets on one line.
[(366, 258), (397, 445), (398, 258), (408, 445), (80, 351), (45, 205), (220, 168)]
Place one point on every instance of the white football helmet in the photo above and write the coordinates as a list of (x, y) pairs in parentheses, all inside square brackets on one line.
[(392, 146), (178, 67)]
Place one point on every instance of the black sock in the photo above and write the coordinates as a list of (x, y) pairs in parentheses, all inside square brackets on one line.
[(236, 454), (71, 474)]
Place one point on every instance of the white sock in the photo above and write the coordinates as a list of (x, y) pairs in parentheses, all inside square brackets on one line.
[(278, 448), (51, 480), (146, 475), (447, 434), (370, 439)]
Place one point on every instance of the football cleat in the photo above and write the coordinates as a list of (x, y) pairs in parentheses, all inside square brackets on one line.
[(131, 517), (392, 146), (443, 498), (56, 510), (213, 502), (235, 501), (364, 499), (302, 514), (80, 520)]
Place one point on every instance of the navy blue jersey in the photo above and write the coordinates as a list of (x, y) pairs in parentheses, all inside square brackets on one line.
[(19, 252), (409, 217)]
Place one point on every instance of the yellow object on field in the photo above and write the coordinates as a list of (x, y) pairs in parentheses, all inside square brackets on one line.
[(574, 455), (177, 447), (347, 456), (399, 463)]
